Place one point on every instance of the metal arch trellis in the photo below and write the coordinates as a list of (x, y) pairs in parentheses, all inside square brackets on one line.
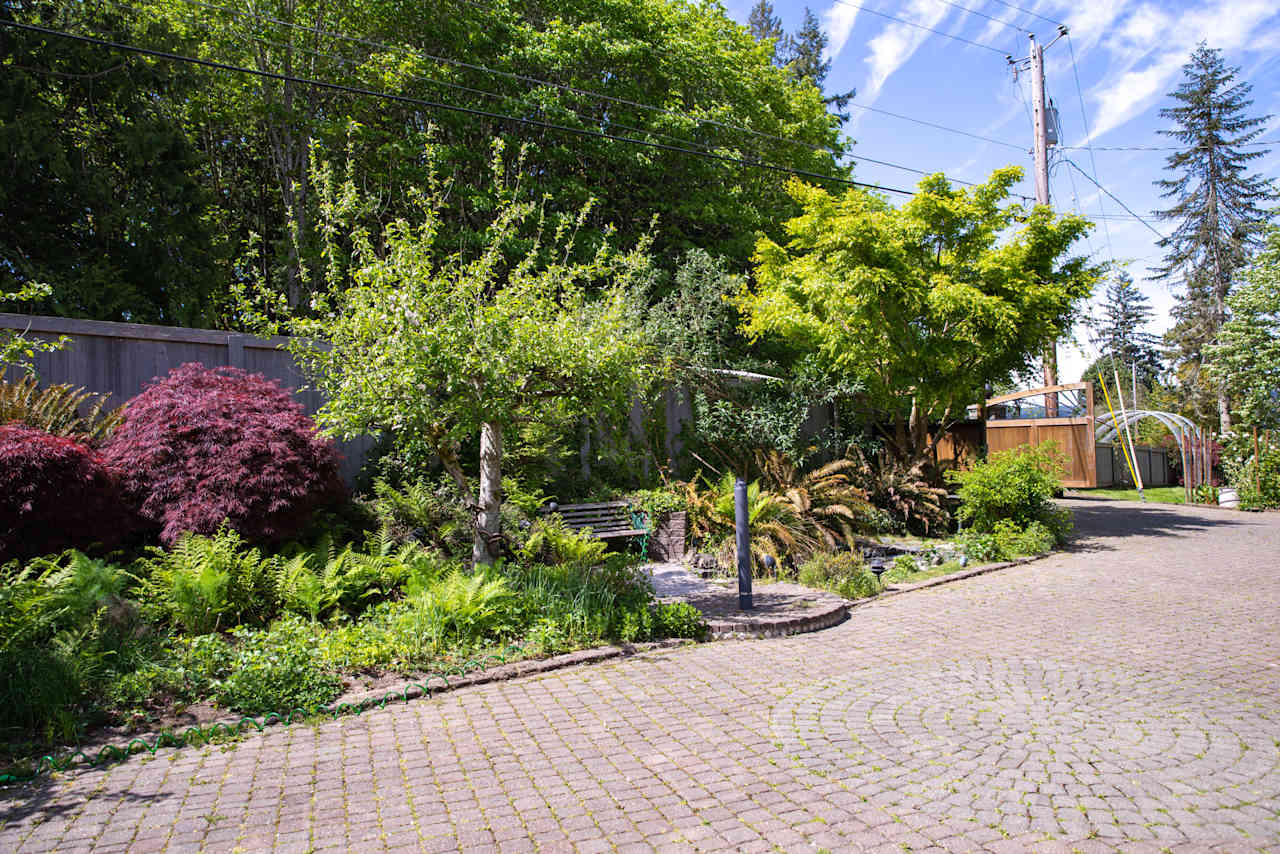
[(1107, 427)]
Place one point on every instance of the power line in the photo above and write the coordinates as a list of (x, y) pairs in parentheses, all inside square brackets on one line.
[(914, 120), (405, 99), (1028, 12), (356, 64), (1154, 147), (1114, 198), (923, 27), (1084, 117), (588, 93), (524, 78), (991, 18), (529, 79)]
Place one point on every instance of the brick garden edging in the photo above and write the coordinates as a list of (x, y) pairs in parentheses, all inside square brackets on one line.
[(899, 589), (404, 691), (815, 620)]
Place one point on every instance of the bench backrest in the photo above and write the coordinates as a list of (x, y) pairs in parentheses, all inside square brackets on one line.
[(604, 518)]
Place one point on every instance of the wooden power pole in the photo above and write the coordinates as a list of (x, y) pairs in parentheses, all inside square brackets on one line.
[(1040, 118)]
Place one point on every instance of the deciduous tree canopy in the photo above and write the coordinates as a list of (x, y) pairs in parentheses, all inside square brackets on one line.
[(135, 184), (922, 304)]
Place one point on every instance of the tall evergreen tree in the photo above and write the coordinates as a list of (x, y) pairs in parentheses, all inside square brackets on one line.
[(1218, 211), (807, 48), (804, 53), (1119, 332), (765, 24)]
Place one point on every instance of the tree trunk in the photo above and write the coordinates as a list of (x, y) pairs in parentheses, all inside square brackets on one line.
[(489, 518)]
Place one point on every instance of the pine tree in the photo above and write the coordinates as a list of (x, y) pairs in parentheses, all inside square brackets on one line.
[(764, 24), (806, 51), (1217, 210), (1119, 337)]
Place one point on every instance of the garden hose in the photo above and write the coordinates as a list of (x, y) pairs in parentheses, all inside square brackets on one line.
[(204, 735)]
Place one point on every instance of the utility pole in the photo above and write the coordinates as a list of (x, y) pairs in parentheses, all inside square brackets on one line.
[(1040, 147)]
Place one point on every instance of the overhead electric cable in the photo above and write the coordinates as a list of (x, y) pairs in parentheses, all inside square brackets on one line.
[(991, 18), (421, 102), (586, 93), (356, 64), (1152, 147), (914, 120), (1028, 12), (524, 78), (1088, 134), (1114, 198), (918, 26)]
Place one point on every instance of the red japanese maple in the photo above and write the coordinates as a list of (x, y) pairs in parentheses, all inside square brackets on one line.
[(207, 445), (55, 494)]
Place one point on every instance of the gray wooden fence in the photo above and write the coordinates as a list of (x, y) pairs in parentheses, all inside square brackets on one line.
[(120, 358)]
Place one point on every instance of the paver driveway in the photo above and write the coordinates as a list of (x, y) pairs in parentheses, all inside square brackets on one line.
[(1124, 695)]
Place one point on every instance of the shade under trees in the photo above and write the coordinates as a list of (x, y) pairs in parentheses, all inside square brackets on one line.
[(1218, 211)]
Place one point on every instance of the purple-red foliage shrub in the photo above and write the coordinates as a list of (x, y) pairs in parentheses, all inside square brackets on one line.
[(207, 445), (55, 494)]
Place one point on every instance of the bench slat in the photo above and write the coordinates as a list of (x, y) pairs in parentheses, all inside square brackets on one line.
[(598, 504), (611, 516), (606, 519)]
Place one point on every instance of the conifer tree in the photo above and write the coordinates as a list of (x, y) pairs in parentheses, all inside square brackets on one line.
[(1217, 211), (807, 48), (764, 24), (1119, 334)]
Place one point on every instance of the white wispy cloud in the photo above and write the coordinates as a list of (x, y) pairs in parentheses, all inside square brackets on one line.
[(1151, 46), (838, 21), (896, 43)]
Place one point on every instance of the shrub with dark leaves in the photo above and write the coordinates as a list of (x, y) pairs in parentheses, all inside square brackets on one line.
[(55, 494), (205, 446)]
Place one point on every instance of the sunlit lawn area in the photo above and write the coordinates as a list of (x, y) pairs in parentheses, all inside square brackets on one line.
[(1160, 494)]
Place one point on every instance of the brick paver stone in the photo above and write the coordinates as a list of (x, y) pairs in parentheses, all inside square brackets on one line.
[(1122, 696)]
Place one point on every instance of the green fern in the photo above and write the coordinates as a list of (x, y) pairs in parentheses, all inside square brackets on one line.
[(550, 541), (59, 409), (207, 583)]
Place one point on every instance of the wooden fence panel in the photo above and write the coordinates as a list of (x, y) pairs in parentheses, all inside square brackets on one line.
[(120, 358), (1073, 435)]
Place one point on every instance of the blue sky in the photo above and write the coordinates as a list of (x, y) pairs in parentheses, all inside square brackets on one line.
[(1129, 54)]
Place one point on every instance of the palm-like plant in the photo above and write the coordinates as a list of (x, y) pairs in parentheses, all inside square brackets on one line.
[(776, 530), (824, 500), (903, 492)]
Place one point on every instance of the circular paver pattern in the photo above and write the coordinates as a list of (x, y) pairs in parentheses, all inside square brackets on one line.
[(1121, 697), (1031, 736)]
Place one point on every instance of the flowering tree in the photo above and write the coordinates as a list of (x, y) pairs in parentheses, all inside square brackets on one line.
[(424, 341)]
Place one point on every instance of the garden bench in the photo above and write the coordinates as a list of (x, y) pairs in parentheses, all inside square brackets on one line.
[(606, 519)]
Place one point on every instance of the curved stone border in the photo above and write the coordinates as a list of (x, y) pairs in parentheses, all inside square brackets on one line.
[(501, 673), (815, 619)]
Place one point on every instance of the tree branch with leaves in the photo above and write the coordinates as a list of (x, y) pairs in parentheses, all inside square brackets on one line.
[(923, 304), (418, 339)]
